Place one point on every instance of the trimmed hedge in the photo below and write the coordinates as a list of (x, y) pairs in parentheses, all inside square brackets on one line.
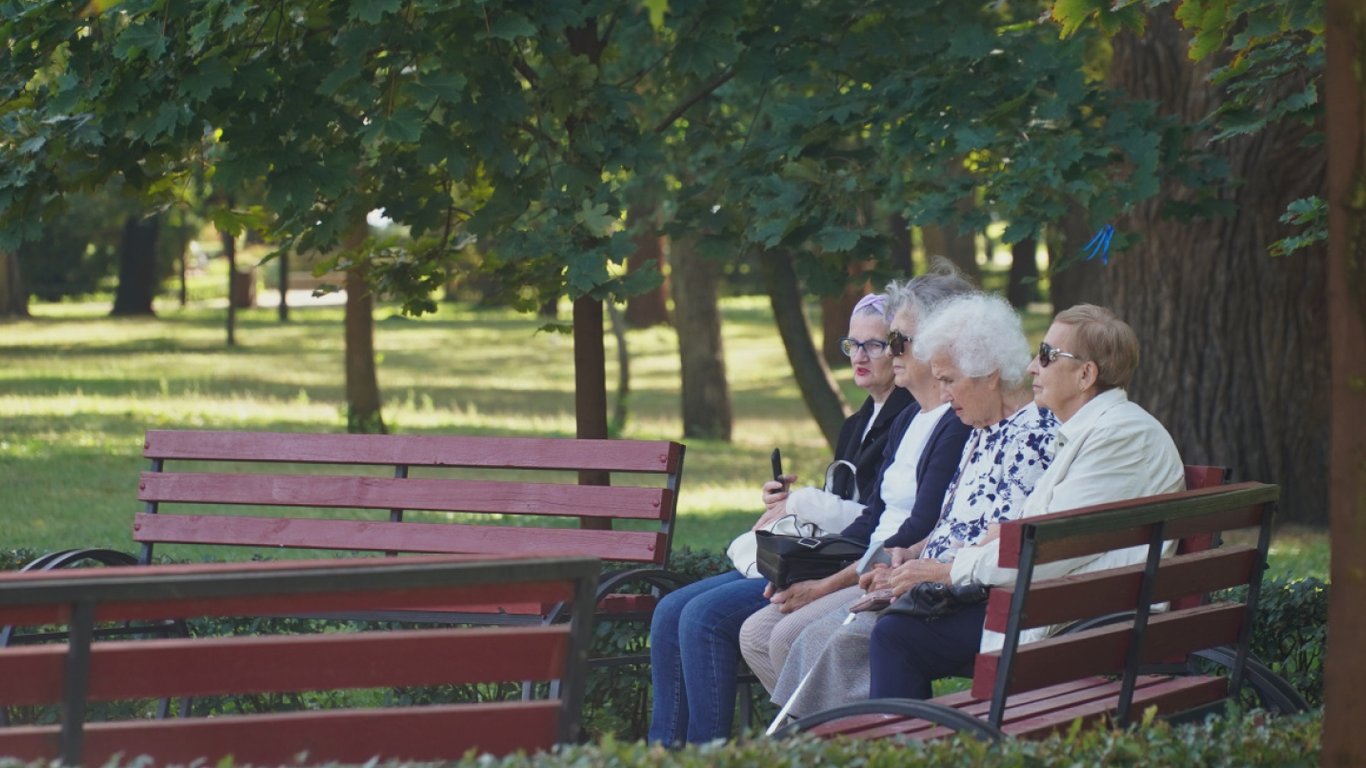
[(1253, 739)]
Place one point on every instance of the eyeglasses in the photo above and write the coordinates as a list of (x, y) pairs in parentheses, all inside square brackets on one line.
[(1049, 354), (897, 341), (874, 347)]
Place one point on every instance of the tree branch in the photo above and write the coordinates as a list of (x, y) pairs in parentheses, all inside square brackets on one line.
[(701, 94)]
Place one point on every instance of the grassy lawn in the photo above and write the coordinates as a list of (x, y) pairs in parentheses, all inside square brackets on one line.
[(78, 389)]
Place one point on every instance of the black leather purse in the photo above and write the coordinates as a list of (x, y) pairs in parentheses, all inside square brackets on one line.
[(931, 600), (785, 560)]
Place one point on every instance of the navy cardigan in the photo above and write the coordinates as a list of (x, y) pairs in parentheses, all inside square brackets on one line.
[(866, 451), (938, 463)]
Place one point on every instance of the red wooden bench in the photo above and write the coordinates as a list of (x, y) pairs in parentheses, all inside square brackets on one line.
[(397, 494), (1135, 658), (80, 671)]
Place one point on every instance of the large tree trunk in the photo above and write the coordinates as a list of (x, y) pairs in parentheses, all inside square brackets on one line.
[(230, 255), (702, 356), (818, 388), (590, 387), (899, 254), (1023, 286), (958, 246), (13, 296), (1235, 342), (137, 267), (1344, 741), (652, 307), (362, 384)]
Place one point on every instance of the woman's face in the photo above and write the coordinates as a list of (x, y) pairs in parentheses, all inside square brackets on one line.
[(872, 375), (910, 373), (977, 401), (1059, 386)]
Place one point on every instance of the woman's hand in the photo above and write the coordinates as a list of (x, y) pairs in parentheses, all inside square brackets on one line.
[(775, 501), (875, 578), (802, 593), (917, 571)]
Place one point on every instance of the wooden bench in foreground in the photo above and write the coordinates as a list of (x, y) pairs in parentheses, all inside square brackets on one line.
[(80, 671), (404, 494), (1132, 658)]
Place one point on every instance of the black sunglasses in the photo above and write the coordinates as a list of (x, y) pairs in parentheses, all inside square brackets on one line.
[(896, 343), (1049, 354)]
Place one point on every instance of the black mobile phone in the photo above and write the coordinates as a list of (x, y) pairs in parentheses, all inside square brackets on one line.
[(777, 459)]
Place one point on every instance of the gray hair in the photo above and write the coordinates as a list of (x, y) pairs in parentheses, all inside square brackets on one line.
[(922, 294), (982, 334)]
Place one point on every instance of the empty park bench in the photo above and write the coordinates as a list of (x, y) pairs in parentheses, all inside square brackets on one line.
[(395, 494), (1124, 658), (82, 673)]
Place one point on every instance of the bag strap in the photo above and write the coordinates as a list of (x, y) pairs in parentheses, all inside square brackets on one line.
[(830, 476)]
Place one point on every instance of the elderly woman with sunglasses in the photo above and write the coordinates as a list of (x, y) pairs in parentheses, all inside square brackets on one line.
[(974, 351), (694, 633), (1108, 449)]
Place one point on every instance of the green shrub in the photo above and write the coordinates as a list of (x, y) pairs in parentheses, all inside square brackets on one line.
[(1290, 631), (1253, 739)]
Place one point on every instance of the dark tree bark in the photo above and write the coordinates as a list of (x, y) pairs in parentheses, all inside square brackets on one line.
[(954, 244), (818, 388), (13, 295), (363, 414), (899, 255), (1023, 285), (706, 392), (652, 307), (1344, 741), (284, 286), (1235, 342), (835, 323), (590, 384), (137, 267)]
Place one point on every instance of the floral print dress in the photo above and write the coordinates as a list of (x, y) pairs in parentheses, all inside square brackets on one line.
[(1000, 465)]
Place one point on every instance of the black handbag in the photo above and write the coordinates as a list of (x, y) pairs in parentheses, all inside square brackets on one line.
[(785, 560), (930, 600)]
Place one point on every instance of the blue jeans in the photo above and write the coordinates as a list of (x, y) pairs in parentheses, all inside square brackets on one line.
[(694, 655)]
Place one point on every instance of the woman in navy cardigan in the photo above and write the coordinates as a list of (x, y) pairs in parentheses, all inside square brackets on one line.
[(694, 634)]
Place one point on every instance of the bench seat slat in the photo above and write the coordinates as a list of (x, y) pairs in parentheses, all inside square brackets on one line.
[(1169, 695), (384, 536), (277, 663), (430, 494), (426, 734), (1071, 598), (1102, 651), (656, 456)]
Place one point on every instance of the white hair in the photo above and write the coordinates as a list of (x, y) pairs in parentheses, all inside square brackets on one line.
[(924, 293), (981, 333)]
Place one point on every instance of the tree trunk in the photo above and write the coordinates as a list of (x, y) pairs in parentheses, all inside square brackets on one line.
[(362, 384), (230, 254), (899, 255), (590, 386), (1344, 741), (957, 246), (835, 312), (1023, 286), (1071, 280), (1235, 342), (818, 388), (652, 307), (137, 267), (284, 286), (701, 353), (13, 295)]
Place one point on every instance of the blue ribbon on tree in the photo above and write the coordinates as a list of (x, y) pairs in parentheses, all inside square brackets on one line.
[(1100, 244)]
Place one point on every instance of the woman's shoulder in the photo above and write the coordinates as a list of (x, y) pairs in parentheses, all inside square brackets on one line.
[(1032, 427)]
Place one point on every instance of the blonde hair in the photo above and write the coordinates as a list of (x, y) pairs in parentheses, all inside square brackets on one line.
[(1101, 337)]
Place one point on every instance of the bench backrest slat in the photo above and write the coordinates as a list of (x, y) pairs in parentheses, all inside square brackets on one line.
[(1094, 530), (1073, 598), (427, 494), (156, 668), (382, 536), (1103, 650), (659, 456)]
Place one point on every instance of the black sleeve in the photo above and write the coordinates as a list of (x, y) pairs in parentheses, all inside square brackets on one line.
[(863, 526)]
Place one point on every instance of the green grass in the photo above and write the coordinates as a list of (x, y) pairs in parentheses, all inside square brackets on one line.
[(78, 389)]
